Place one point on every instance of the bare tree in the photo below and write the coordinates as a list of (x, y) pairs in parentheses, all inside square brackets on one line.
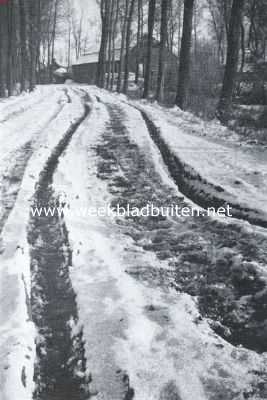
[(10, 47), (23, 41), (219, 11), (114, 33), (232, 60), (3, 44), (33, 42), (110, 37), (26, 27), (53, 37), (138, 38), (162, 50), (127, 45), (184, 64), (69, 30), (151, 22), (104, 10), (124, 13)]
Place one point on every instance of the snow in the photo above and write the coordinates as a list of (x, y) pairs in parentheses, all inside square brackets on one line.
[(17, 104), (105, 293), (162, 351), (17, 347), (27, 117), (153, 334), (242, 172)]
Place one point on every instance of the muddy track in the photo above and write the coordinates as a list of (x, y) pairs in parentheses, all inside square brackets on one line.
[(11, 181), (187, 180), (60, 369), (207, 259)]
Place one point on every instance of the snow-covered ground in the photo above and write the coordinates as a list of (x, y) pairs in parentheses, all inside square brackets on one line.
[(140, 338), (44, 125), (214, 153)]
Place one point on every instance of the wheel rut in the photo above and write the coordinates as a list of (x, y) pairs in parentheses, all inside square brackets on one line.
[(60, 369), (186, 182), (13, 176), (213, 261)]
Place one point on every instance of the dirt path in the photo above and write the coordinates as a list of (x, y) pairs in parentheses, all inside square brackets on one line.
[(14, 172), (124, 308), (187, 179), (130, 273), (60, 370), (203, 253), (22, 285)]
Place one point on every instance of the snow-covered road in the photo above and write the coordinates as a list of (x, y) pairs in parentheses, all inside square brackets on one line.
[(120, 308)]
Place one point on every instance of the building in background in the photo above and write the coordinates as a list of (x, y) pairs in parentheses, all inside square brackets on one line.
[(85, 68)]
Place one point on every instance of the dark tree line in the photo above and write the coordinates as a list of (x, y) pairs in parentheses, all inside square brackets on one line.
[(233, 39), (19, 45), (29, 30), (139, 19), (185, 52), (27, 43)]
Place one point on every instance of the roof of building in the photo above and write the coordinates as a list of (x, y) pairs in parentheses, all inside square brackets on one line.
[(92, 58)]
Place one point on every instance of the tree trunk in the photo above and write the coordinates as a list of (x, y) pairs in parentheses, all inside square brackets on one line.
[(127, 45), (195, 28), (105, 9), (185, 53), (123, 36), (162, 50), (110, 35), (53, 41), (139, 22), (243, 46), (23, 44), (10, 47), (142, 36), (49, 40), (151, 21), (33, 42), (38, 45), (113, 45), (179, 27), (69, 32), (231, 61), (3, 41)]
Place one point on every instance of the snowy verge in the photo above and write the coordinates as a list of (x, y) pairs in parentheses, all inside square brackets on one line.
[(212, 168), (17, 347), (213, 174), (13, 106)]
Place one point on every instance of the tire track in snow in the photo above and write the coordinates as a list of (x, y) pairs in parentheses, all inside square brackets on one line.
[(185, 177), (203, 253), (12, 178), (60, 368)]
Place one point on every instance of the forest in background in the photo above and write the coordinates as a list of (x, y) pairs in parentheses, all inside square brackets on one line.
[(226, 63)]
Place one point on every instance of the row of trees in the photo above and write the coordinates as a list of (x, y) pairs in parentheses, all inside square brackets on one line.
[(29, 32), (75, 28), (27, 42), (236, 25), (18, 44), (31, 29)]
